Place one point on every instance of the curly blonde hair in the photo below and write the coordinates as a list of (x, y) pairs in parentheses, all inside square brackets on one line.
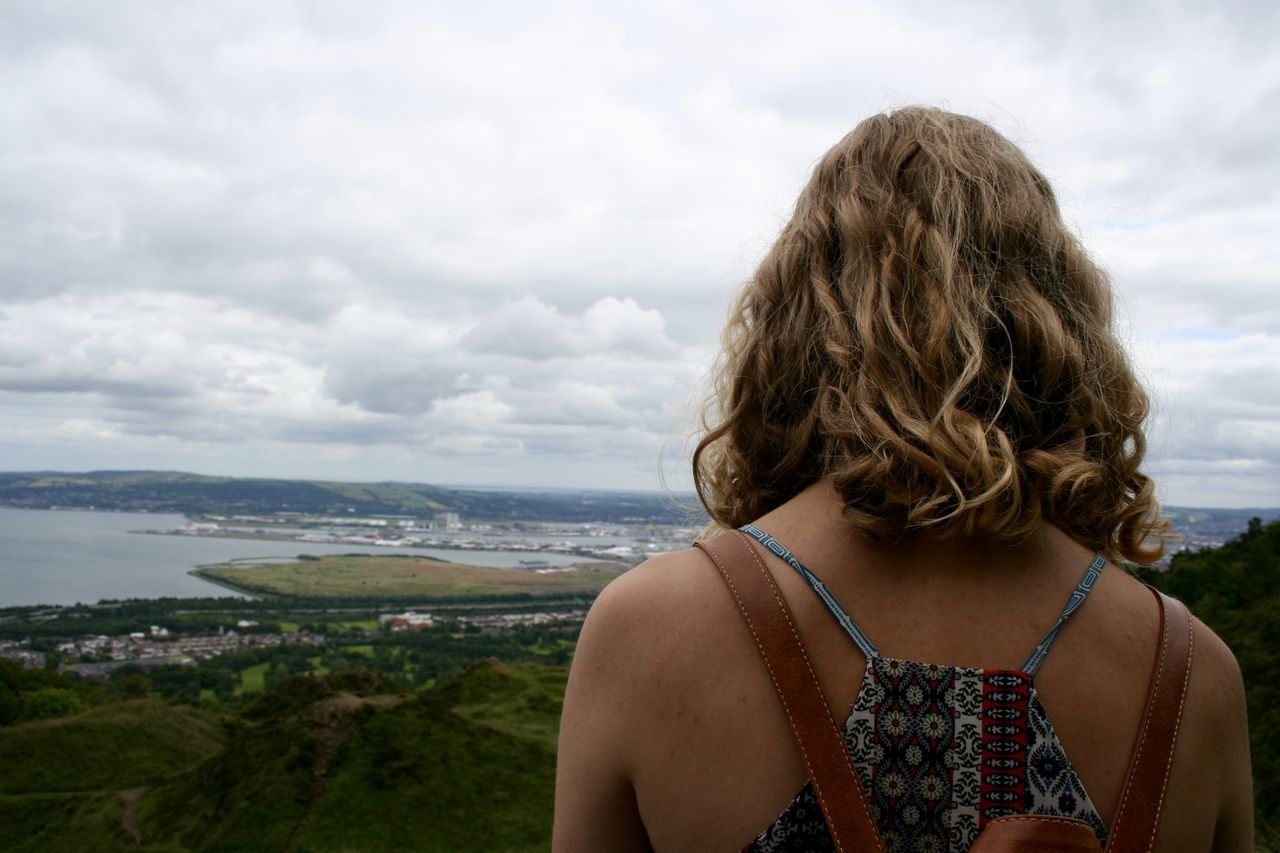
[(927, 333)]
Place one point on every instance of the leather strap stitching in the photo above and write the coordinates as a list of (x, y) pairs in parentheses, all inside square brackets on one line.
[(786, 706), (1130, 780), (1182, 700), (844, 804), (1152, 762), (826, 709)]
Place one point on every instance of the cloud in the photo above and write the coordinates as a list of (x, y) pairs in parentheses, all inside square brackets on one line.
[(409, 238), (159, 366), (529, 328), (476, 410), (525, 328)]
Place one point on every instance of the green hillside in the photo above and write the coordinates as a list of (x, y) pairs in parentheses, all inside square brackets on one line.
[(123, 745), (345, 763), (53, 823), (63, 779), (421, 776), (336, 763)]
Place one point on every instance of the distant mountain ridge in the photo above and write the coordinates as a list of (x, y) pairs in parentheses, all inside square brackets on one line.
[(201, 494), (195, 494)]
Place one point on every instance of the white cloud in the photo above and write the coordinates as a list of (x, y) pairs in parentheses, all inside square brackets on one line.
[(83, 428), (401, 240), (478, 410), (529, 328)]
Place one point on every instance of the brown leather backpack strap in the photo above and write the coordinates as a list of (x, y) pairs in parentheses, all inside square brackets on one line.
[(1138, 816), (821, 742)]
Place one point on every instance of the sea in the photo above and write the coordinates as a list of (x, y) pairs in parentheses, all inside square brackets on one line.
[(82, 556)]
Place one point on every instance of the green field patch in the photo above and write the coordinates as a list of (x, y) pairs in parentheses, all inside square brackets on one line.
[(252, 679), (363, 624), (365, 650), (357, 575)]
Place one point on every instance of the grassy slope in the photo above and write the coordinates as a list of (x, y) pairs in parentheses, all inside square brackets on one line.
[(247, 798), (468, 766), (124, 745), (399, 576), (58, 788), (41, 823), (421, 777), (523, 701)]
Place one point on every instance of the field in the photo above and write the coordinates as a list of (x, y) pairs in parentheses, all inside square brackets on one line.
[(363, 576)]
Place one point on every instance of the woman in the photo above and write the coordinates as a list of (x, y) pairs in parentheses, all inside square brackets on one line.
[(922, 397)]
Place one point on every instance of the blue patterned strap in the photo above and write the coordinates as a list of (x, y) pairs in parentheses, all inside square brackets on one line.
[(842, 616), (1078, 595)]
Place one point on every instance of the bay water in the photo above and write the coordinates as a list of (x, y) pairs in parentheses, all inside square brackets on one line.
[(70, 556)]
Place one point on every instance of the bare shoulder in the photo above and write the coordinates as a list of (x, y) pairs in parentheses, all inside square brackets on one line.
[(1216, 700), (652, 607), (1218, 687), (672, 576), (1214, 710), (627, 656)]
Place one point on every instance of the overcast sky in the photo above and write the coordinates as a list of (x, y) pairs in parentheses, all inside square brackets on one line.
[(494, 243)]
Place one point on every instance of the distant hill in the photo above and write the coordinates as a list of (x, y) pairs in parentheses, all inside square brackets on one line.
[(1209, 527), (192, 494)]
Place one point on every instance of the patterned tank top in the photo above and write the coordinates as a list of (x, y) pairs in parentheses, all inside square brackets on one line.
[(941, 751)]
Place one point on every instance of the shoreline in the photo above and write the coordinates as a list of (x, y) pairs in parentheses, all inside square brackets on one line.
[(472, 546), (399, 575), (222, 583)]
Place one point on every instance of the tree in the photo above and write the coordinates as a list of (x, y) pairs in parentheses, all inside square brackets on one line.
[(135, 686), (10, 705), (48, 702)]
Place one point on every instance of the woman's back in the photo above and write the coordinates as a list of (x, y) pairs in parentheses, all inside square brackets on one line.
[(690, 750), (920, 392)]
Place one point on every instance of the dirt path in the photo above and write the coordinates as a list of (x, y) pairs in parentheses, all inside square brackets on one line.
[(129, 820)]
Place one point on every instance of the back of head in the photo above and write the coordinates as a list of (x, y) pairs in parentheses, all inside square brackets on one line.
[(927, 333)]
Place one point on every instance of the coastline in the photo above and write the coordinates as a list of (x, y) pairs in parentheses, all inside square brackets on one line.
[(255, 594), (626, 554)]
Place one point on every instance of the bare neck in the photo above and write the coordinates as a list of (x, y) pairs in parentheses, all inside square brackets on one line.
[(813, 524)]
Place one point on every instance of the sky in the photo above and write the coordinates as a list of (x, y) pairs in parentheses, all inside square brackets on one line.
[(494, 243)]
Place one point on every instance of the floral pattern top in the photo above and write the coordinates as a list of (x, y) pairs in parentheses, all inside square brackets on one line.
[(941, 751)]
